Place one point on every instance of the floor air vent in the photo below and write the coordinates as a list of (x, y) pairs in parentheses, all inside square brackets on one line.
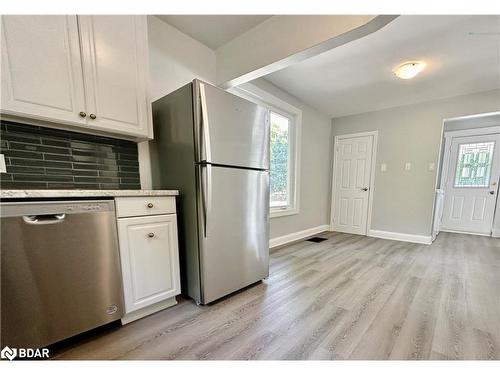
[(316, 239)]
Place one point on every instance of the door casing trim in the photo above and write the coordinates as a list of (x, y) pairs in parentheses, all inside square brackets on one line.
[(336, 138)]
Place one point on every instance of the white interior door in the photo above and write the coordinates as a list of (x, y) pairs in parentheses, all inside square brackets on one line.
[(352, 175), (472, 184)]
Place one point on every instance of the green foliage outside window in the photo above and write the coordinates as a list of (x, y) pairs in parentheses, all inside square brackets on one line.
[(279, 160)]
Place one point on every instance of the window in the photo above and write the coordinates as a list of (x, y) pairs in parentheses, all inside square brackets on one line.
[(474, 164), (280, 160), (283, 171), (285, 123)]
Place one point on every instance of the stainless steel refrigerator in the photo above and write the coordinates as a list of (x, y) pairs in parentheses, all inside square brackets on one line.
[(214, 147)]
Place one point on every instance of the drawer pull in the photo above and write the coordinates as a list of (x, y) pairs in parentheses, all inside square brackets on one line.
[(150, 205), (151, 235)]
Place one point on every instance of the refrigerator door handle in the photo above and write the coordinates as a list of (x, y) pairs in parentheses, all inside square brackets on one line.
[(206, 128), (206, 194), (209, 195)]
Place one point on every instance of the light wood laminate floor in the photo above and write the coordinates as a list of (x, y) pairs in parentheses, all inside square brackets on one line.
[(350, 297)]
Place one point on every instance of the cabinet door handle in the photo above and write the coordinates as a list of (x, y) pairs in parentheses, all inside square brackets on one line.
[(150, 205), (151, 235), (83, 114), (92, 116)]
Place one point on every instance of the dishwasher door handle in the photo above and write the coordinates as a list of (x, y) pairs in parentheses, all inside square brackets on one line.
[(44, 219)]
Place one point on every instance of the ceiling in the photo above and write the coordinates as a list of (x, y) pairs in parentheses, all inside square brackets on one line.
[(461, 52), (213, 31)]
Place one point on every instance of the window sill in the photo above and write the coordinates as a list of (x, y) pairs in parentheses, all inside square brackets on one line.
[(283, 212)]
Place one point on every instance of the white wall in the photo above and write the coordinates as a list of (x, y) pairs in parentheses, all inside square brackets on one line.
[(175, 59), (315, 159), (403, 200)]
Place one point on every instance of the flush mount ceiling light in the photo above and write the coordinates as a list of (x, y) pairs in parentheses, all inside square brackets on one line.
[(409, 69)]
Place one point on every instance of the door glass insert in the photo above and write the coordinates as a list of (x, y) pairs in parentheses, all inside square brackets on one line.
[(474, 164)]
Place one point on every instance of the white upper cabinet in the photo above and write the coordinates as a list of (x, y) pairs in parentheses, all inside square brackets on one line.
[(85, 71), (115, 63), (41, 68)]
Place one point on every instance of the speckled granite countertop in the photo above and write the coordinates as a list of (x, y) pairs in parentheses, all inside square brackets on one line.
[(83, 193)]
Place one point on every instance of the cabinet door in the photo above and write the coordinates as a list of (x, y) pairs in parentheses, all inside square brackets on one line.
[(115, 64), (41, 68), (150, 259)]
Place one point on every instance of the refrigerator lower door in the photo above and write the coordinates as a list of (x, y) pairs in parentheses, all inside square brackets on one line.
[(234, 229)]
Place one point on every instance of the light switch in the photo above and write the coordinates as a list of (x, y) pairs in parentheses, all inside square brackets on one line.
[(407, 166), (3, 168), (432, 166), (383, 167)]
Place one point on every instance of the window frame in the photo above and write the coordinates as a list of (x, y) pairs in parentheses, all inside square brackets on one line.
[(274, 104)]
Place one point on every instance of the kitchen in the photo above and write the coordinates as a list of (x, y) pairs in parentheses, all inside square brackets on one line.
[(146, 219), (163, 198)]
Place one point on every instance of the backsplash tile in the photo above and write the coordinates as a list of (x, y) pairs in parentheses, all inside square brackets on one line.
[(42, 158)]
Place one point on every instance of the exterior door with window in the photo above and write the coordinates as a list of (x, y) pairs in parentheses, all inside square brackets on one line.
[(472, 184), (352, 175)]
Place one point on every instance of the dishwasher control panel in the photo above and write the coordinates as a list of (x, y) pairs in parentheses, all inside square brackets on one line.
[(85, 207), (68, 207)]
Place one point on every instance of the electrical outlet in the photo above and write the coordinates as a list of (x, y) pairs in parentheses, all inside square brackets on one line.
[(383, 167), (407, 166), (3, 168)]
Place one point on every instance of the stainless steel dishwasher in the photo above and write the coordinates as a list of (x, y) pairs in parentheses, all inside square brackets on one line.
[(60, 270)]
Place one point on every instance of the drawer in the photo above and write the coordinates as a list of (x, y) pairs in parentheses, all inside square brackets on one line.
[(143, 206)]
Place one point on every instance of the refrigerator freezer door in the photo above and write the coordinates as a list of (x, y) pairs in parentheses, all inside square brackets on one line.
[(230, 130), (234, 249)]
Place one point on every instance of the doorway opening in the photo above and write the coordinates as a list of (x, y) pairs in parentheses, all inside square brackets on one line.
[(469, 174)]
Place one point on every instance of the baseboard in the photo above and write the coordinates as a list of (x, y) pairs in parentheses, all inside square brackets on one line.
[(495, 232), (415, 238), (283, 240), (463, 232)]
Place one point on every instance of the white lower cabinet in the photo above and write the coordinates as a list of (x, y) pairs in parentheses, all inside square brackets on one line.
[(150, 263)]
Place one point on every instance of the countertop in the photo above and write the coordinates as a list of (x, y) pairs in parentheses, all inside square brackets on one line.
[(83, 193)]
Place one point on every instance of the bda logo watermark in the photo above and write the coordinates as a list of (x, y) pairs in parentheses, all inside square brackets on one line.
[(25, 353), (8, 353)]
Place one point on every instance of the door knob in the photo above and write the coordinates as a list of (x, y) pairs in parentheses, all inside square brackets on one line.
[(92, 116), (151, 235), (364, 189), (150, 205), (83, 114), (492, 192)]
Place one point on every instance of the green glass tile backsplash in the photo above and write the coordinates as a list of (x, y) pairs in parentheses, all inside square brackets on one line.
[(42, 158)]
